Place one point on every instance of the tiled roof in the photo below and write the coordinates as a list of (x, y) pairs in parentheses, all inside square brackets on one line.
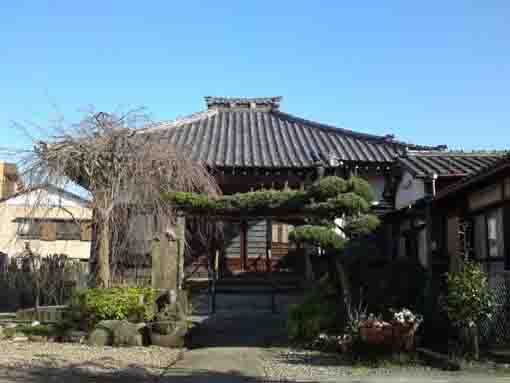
[(494, 168), (254, 133), (423, 164)]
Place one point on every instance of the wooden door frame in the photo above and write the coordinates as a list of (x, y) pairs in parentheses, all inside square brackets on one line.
[(244, 245)]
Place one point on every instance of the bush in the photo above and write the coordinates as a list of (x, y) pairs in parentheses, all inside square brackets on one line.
[(469, 297), (318, 312), (469, 300), (94, 305)]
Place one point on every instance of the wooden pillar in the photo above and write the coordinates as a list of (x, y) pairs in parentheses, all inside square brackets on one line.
[(452, 243), (269, 246), (243, 246), (506, 234)]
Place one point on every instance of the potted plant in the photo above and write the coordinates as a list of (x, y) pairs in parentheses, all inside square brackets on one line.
[(374, 330), (404, 325)]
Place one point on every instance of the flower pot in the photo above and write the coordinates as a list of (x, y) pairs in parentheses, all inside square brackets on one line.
[(372, 335)]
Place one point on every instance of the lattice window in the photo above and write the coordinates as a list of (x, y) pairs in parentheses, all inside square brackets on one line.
[(496, 330), (466, 239)]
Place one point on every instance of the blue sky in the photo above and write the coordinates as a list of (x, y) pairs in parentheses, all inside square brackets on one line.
[(430, 72)]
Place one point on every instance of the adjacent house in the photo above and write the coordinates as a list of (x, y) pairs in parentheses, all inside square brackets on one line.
[(48, 219), (476, 217), (419, 176)]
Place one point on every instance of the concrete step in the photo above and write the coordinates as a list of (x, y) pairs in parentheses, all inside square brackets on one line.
[(500, 354)]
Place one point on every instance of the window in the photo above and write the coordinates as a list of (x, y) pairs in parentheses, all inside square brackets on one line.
[(489, 242), (29, 229), (68, 231), (488, 235)]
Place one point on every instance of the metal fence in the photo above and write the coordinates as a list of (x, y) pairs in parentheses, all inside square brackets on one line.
[(496, 330)]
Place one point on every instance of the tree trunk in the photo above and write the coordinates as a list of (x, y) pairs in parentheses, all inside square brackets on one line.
[(102, 271), (475, 340), (344, 280)]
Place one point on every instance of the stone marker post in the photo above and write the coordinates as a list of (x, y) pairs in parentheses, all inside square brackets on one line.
[(168, 259)]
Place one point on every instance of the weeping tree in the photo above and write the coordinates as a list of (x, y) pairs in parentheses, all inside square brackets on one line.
[(127, 166)]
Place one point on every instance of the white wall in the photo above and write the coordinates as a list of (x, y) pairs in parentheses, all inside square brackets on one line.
[(377, 182), (409, 190), (42, 204)]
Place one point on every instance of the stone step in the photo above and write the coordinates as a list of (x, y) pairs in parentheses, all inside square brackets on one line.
[(500, 354)]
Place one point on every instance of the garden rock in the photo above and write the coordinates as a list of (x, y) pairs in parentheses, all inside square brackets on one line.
[(37, 338), (109, 325), (19, 337), (75, 337), (174, 340), (120, 333), (128, 334), (100, 337)]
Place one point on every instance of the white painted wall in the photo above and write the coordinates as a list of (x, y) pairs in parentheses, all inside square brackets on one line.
[(377, 182), (44, 204), (409, 190)]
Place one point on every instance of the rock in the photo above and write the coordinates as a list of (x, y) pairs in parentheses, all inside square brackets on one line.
[(100, 337), (121, 333), (174, 340), (108, 324), (35, 323), (37, 338), (11, 325), (19, 337), (128, 334), (75, 337)]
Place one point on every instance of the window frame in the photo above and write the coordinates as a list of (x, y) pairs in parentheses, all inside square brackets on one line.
[(30, 234), (68, 235), (485, 215)]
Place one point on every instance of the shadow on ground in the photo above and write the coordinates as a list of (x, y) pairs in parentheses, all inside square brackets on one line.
[(85, 373), (254, 329)]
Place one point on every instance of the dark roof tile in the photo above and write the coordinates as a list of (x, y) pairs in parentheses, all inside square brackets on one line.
[(424, 164), (248, 133)]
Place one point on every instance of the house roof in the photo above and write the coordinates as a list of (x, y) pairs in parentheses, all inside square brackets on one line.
[(423, 164), (51, 188), (253, 132), (483, 173)]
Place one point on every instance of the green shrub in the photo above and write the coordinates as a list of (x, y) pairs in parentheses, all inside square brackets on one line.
[(94, 305), (322, 236), (26, 329), (469, 297), (328, 187), (318, 312)]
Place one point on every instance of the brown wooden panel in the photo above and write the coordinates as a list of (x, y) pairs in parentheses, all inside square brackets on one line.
[(86, 231), (49, 231), (279, 249)]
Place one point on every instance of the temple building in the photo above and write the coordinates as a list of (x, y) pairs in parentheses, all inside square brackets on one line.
[(250, 144)]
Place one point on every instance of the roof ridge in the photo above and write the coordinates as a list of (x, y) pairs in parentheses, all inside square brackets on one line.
[(179, 121), (48, 186), (453, 153)]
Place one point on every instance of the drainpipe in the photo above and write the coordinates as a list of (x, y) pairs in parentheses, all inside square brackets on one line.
[(434, 178), (429, 223)]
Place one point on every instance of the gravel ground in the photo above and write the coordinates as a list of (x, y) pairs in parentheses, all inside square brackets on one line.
[(42, 362), (292, 365)]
